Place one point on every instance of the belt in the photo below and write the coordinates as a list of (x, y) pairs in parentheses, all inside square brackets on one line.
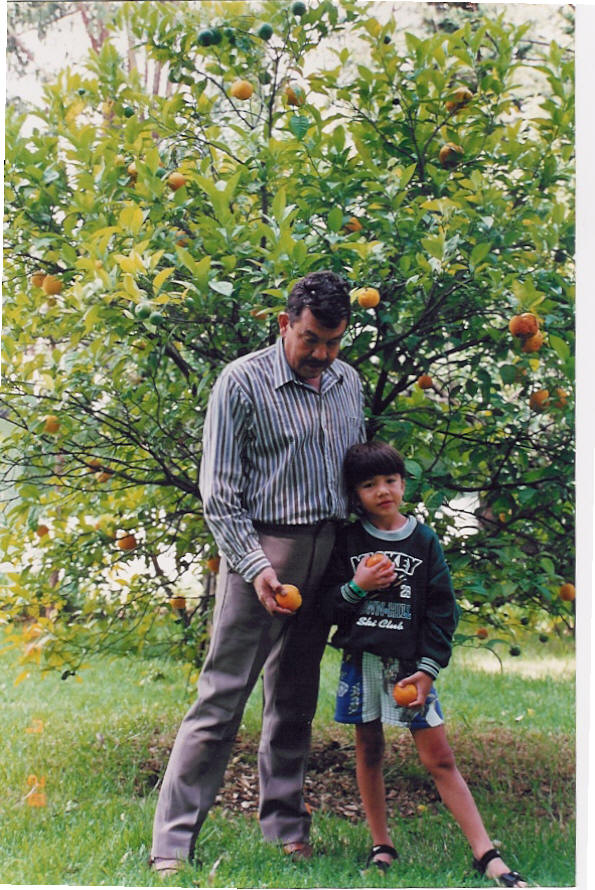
[(276, 527)]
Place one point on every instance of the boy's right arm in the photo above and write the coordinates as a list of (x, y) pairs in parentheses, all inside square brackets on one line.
[(343, 590)]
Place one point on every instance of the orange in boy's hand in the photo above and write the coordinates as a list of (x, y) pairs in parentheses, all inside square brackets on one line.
[(289, 598), (404, 695), (375, 559)]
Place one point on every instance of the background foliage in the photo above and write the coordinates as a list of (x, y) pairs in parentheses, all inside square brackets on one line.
[(332, 162)]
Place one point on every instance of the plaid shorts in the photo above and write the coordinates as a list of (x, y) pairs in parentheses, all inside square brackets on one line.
[(365, 693)]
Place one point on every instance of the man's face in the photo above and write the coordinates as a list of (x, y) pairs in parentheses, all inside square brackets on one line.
[(310, 348)]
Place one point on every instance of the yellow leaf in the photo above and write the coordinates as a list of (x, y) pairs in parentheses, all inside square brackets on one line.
[(154, 260), (131, 218), (131, 288), (161, 277), (22, 676)]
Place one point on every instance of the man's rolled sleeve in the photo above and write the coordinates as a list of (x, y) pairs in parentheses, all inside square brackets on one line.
[(252, 564)]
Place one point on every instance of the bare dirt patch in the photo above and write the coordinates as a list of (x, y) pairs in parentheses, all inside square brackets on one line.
[(527, 770)]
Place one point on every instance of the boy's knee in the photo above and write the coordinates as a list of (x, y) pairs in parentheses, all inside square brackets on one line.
[(371, 743), (439, 760)]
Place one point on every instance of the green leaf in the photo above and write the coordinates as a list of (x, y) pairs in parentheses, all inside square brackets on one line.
[(479, 253), (222, 287), (335, 219), (560, 346), (299, 124), (434, 245), (413, 468)]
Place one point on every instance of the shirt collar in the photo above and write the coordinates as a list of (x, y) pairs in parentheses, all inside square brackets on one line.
[(283, 373)]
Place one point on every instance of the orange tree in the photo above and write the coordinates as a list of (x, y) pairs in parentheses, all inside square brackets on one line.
[(156, 218)]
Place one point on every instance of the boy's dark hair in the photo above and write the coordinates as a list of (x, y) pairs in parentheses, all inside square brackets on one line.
[(325, 294), (369, 459)]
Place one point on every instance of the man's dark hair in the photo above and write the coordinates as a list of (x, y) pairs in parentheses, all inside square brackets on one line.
[(368, 459), (325, 294)]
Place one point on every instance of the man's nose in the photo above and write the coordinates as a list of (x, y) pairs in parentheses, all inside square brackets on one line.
[(320, 352)]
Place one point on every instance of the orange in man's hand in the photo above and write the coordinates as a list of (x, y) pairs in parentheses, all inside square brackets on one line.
[(404, 695), (375, 559), (289, 598)]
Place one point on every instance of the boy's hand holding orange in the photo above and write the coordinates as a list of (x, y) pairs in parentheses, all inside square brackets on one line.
[(412, 691), (374, 572)]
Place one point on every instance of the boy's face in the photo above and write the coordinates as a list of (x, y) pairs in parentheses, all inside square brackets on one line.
[(381, 497)]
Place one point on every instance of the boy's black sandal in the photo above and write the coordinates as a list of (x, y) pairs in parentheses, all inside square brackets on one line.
[(508, 879), (380, 863)]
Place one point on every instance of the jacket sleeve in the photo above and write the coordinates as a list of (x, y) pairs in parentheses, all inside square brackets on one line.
[(441, 614), (335, 608), (222, 475)]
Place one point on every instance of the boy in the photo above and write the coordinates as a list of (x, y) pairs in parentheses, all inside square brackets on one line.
[(395, 617)]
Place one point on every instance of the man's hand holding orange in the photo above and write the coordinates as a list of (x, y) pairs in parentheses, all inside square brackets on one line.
[(267, 587)]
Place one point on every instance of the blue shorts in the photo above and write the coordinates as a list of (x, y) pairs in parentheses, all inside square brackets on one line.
[(365, 691)]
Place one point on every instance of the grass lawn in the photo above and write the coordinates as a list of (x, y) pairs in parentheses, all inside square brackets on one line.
[(96, 746)]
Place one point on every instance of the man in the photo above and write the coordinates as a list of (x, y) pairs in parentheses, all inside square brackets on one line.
[(278, 424)]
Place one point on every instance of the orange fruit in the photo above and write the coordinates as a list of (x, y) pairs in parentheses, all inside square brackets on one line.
[(41, 530), (562, 398), (294, 94), (127, 542), (461, 97), (567, 592), (367, 297), (533, 343), (375, 559), (482, 633), (176, 180), (538, 400), (353, 225), (241, 89), (37, 279), (449, 154), (213, 564), (404, 695), (289, 598), (178, 602), (51, 424), (524, 325), (424, 381), (51, 285)]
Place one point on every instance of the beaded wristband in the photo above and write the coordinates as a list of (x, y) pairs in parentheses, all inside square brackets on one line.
[(359, 591)]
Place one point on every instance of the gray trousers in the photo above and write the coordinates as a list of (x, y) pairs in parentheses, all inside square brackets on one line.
[(245, 639)]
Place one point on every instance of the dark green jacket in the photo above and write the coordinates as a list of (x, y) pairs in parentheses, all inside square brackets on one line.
[(413, 620)]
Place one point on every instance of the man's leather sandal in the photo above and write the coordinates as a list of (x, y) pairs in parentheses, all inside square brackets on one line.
[(298, 850)]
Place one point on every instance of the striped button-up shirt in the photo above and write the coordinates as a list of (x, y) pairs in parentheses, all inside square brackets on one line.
[(273, 450)]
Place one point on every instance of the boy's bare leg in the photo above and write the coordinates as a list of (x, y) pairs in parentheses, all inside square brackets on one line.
[(436, 755), (369, 760)]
